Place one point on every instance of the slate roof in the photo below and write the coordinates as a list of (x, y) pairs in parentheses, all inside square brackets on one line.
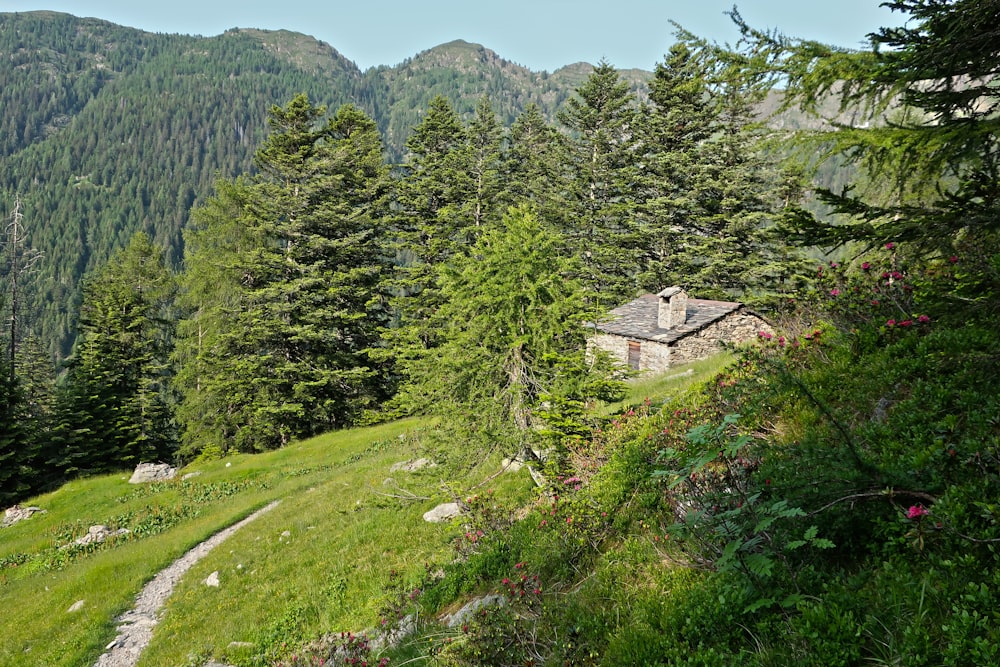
[(638, 319)]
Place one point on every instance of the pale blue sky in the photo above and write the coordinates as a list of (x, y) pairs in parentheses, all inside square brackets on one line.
[(539, 34)]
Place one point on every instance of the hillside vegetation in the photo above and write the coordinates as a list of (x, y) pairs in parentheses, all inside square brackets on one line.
[(822, 495), (109, 131)]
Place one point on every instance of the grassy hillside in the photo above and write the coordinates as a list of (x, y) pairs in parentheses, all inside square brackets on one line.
[(355, 540), (826, 497)]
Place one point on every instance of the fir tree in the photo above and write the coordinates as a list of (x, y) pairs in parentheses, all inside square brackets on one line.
[(513, 336), (114, 407), (602, 122), (296, 311)]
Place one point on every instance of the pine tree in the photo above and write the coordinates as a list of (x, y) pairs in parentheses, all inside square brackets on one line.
[(534, 169), (936, 161), (713, 194)]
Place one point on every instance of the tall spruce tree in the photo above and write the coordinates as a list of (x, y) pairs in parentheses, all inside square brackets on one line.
[(713, 195), (484, 136), (296, 310), (113, 409), (534, 168), (604, 140)]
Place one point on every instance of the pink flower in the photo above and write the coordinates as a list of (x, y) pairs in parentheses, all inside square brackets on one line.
[(874, 302), (923, 319), (765, 335), (890, 245), (953, 259), (906, 323), (891, 323), (916, 511), (834, 292)]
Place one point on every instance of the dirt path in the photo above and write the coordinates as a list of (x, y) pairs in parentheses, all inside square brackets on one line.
[(135, 627)]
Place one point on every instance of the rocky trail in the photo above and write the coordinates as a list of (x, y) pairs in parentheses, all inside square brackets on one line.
[(135, 627)]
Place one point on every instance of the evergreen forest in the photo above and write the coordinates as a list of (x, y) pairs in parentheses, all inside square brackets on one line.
[(224, 246)]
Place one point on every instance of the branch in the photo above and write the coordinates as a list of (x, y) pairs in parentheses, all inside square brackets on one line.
[(890, 493)]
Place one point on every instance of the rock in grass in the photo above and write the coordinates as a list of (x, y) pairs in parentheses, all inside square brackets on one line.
[(17, 513), (99, 533), (152, 472), (443, 512), (412, 466), (75, 607), (465, 613), (213, 580)]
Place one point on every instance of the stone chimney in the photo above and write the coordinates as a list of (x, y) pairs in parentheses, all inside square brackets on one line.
[(672, 309)]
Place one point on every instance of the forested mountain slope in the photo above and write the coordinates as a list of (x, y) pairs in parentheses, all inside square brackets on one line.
[(109, 130)]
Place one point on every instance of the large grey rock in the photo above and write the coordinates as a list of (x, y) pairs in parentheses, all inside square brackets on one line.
[(152, 472), (443, 512), (17, 513)]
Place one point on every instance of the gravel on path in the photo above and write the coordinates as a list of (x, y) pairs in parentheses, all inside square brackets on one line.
[(135, 627)]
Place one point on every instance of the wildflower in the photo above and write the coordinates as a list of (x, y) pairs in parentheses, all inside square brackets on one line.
[(906, 323), (834, 292), (953, 259), (891, 323), (923, 319), (874, 302), (916, 511), (865, 266), (765, 335), (890, 245)]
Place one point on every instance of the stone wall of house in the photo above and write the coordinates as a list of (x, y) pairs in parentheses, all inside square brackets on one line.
[(616, 346), (739, 327), (655, 357)]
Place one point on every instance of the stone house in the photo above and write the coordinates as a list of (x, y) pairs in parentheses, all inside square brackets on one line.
[(657, 331)]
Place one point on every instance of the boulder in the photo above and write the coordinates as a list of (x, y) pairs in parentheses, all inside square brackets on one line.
[(443, 512), (17, 513), (152, 472), (99, 533)]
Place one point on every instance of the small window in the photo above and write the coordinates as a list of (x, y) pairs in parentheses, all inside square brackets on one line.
[(634, 355)]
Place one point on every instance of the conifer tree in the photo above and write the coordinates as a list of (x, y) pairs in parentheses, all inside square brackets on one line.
[(114, 408), (924, 96), (603, 155), (295, 312), (534, 168), (513, 336), (713, 196)]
